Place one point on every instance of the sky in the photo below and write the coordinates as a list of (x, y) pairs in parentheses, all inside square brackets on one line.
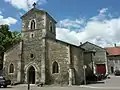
[(96, 21)]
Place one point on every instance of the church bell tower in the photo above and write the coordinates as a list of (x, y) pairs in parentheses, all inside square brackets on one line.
[(39, 22), (37, 26)]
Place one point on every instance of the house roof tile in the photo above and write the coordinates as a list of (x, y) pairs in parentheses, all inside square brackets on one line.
[(113, 50)]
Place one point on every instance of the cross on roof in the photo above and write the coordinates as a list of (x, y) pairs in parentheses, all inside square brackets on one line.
[(34, 4)]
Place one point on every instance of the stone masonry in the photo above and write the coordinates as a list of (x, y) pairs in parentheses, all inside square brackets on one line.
[(34, 57)]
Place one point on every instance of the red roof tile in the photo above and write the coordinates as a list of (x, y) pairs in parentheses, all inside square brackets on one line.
[(113, 50)]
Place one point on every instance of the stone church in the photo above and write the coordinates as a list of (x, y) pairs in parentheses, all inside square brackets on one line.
[(40, 57)]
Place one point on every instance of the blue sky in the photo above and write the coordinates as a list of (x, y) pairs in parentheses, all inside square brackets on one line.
[(62, 9), (80, 19)]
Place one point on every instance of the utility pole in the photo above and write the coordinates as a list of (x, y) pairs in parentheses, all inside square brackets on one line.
[(84, 69), (28, 85)]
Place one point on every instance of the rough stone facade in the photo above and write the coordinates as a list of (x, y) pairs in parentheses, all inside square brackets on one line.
[(114, 63), (88, 57), (113, 55), (33, 59), (98, 57), (13, 56)]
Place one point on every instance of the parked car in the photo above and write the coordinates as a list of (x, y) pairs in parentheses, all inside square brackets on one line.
[(117, 73), (4, 81)]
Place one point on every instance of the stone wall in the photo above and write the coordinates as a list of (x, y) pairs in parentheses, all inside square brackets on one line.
[(50, 33), (12, 56), (113, 61), (100, 53), (33, 45), (89, 63), (57, 51), (77, 62), (99, 57), (36, 15)]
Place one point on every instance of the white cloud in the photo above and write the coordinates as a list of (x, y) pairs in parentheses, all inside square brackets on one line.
[(66, 23), (0, 12), (24, 4), (20, 14), (42, 2), (8, 20), (102, 15), (103, 10), (101, 31)]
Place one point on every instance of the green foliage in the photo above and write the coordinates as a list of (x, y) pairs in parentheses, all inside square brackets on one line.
[(8, 38), (16, 37)]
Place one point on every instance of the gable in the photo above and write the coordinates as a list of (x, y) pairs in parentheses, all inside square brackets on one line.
[(36, 12), (33, 10), (91, 47)]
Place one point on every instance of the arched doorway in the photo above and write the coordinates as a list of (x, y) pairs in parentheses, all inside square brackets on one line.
[(31, 75)]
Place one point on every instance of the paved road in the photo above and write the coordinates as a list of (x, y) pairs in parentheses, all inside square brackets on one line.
[(54, 88), (109, 84), (114, 81), (112, 84)]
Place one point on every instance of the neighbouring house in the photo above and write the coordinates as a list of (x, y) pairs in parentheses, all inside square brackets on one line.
[(97, 60), (113, 58), (88, 55), (40, 57)]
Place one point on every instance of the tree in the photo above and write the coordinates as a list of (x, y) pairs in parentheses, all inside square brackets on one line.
[(16, 37), (7, 39)]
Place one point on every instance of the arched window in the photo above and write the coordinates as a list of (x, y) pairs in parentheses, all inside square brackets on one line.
[(55, 67), (31, 35), (31, 55), (32, 25), (50, 27), (11, 68)]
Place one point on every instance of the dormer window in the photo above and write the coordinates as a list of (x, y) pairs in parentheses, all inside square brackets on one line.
[(32, 25)]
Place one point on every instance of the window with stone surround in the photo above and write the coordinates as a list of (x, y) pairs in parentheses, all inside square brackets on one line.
[(11, 68), (32, 35), (55, 67), (32, 25), (31, 56)]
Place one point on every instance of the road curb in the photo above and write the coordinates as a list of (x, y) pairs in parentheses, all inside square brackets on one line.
[(87, 86)]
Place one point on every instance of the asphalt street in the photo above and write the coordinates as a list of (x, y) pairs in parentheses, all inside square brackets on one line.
[(109, 84)]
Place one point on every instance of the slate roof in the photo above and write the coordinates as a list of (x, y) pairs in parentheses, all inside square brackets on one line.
[(91, 44), (113, 51)]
